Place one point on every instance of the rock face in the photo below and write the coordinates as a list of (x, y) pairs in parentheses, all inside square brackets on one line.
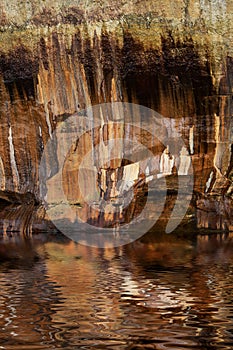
[(176, 59)]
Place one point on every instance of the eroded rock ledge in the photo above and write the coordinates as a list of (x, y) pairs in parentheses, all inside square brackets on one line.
[(176, 59)]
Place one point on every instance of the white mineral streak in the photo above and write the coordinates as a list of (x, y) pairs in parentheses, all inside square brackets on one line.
[(103, 177), (2, 175), (14, 169), (166, 162), (147, 171), (48, 121), (209, 181), (191, 139), (130, 174), (114, 191), (185, 162)]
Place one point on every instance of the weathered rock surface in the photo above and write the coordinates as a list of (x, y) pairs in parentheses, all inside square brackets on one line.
[(175, 58)]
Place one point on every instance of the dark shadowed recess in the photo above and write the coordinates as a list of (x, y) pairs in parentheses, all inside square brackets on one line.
[(172, 81), (147, 76), (19, 69), (225, 90)]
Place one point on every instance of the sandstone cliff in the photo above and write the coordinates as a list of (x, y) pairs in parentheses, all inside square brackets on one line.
[(175, 58)]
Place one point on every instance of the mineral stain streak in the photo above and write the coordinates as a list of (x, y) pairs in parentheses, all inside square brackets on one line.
[(14, 169)]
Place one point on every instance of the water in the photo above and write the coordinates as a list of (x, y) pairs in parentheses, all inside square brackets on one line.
[(161, 293)]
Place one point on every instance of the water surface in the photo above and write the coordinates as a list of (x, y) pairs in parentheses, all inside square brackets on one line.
[(161, 293)]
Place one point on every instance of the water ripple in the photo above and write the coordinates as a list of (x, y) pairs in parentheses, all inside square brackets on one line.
[(63, 295)]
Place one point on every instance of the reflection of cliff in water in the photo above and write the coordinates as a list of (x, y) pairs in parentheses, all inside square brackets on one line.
[(165, 292), (28, 296)]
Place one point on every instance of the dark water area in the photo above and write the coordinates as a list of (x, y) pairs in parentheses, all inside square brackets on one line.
[(168, 292)]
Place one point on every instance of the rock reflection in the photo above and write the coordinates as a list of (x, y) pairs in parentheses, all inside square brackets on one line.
[(167, 292), (27, 296)]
